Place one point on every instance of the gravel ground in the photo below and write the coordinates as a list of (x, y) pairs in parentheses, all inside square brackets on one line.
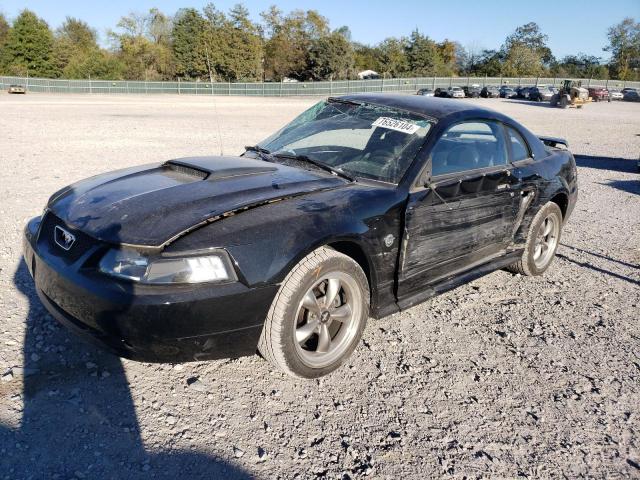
[(504, 377)]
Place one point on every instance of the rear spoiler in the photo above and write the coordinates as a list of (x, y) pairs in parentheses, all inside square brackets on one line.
[(554, 141)]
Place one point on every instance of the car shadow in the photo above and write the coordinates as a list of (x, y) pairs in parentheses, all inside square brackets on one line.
[(599, 255), (629, 186), (598, 269), (530, 103), (78, 418), (616, 164)]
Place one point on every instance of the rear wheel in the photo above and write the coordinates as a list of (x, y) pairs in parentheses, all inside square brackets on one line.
[(542, 242), (317, 318)]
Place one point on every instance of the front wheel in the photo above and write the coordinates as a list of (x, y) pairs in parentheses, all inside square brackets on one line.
[(317, 318), (542, 242)]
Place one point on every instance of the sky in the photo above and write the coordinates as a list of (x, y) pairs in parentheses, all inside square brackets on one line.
[(572, 25)]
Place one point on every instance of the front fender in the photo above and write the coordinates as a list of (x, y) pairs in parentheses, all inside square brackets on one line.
[(267, 241)]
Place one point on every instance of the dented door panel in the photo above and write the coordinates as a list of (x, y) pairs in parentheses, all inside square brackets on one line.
[(455, 224)]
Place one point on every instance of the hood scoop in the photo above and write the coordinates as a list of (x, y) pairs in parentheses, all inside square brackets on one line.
[(184, 170), (218, 168)]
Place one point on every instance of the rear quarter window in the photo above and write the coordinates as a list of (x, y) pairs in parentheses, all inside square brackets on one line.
[(519, 147)]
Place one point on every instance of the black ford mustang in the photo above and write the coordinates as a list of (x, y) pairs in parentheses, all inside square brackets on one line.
[(362, 206)]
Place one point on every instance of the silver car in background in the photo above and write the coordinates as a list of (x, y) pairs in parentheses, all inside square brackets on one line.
[(456, 92)]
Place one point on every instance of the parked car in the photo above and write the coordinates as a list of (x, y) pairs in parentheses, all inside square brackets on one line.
[(508, 92), (615, 95), (631, 95), (523, 92), (426, 92), (472, 91), (540, 94), (17, 89), (188, 259), (490, 92), (456, 92), (599, 94), (441, 92), (628, 89)]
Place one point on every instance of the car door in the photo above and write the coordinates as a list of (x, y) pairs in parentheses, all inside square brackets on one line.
[(465, 213)]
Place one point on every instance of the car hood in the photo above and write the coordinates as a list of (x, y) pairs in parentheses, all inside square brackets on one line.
[(152, 205)]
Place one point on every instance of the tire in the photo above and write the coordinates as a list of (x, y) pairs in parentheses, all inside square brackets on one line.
[(564, 102), (554, 100), (299, 310), (529, 264)]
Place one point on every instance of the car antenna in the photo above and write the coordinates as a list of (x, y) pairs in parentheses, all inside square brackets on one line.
[(215, 112)]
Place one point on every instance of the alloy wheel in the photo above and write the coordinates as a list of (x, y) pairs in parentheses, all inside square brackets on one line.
[(327, 319), (546, 241)]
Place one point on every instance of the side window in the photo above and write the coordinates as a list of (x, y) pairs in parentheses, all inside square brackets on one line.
[(519, 149), (469, 146)]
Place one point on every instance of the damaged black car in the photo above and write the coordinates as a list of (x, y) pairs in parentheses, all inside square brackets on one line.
[(362, 206)]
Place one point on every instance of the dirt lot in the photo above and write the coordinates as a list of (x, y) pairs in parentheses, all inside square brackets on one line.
[(504, 377)]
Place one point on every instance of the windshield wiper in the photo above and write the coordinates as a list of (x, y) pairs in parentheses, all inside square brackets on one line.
[(263, 153), (323, 166)]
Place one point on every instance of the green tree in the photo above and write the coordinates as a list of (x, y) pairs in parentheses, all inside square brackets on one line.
[(624, 46), (244, 50), (330, 57), (530, 36), (448, 52), (489, 63), (290, 39), (95, 64), (423, 55), (189, 30), (393, 57), (143, 46), (78, 34), (521, 60), (367, 57), (73, 40), (4, 29), (580, 66), (29, 47)]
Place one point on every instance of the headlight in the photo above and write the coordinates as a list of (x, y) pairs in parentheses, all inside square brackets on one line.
[(215, 266)]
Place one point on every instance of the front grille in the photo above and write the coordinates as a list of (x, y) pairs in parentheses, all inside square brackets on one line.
[(80, 246)]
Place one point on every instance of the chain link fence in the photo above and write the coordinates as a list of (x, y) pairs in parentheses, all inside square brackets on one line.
[(285, 89)]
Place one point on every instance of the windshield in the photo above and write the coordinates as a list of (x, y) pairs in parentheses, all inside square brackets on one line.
[(361, 140)]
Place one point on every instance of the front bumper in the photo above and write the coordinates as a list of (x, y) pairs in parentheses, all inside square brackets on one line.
[(148, 323)]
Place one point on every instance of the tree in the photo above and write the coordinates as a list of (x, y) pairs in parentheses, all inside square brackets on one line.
[(448, 52), (29, 46), (78, 34), (291, 37), (367, 57), (394, 61), (489, 63), (4, 29), (243, 52), (95, 64), (580, 66), (423, 55), (143, 46), (521, 61), (330, 57), (530, 36), (624, 45)]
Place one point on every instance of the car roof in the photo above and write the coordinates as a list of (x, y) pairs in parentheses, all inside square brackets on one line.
[(434, 107)]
